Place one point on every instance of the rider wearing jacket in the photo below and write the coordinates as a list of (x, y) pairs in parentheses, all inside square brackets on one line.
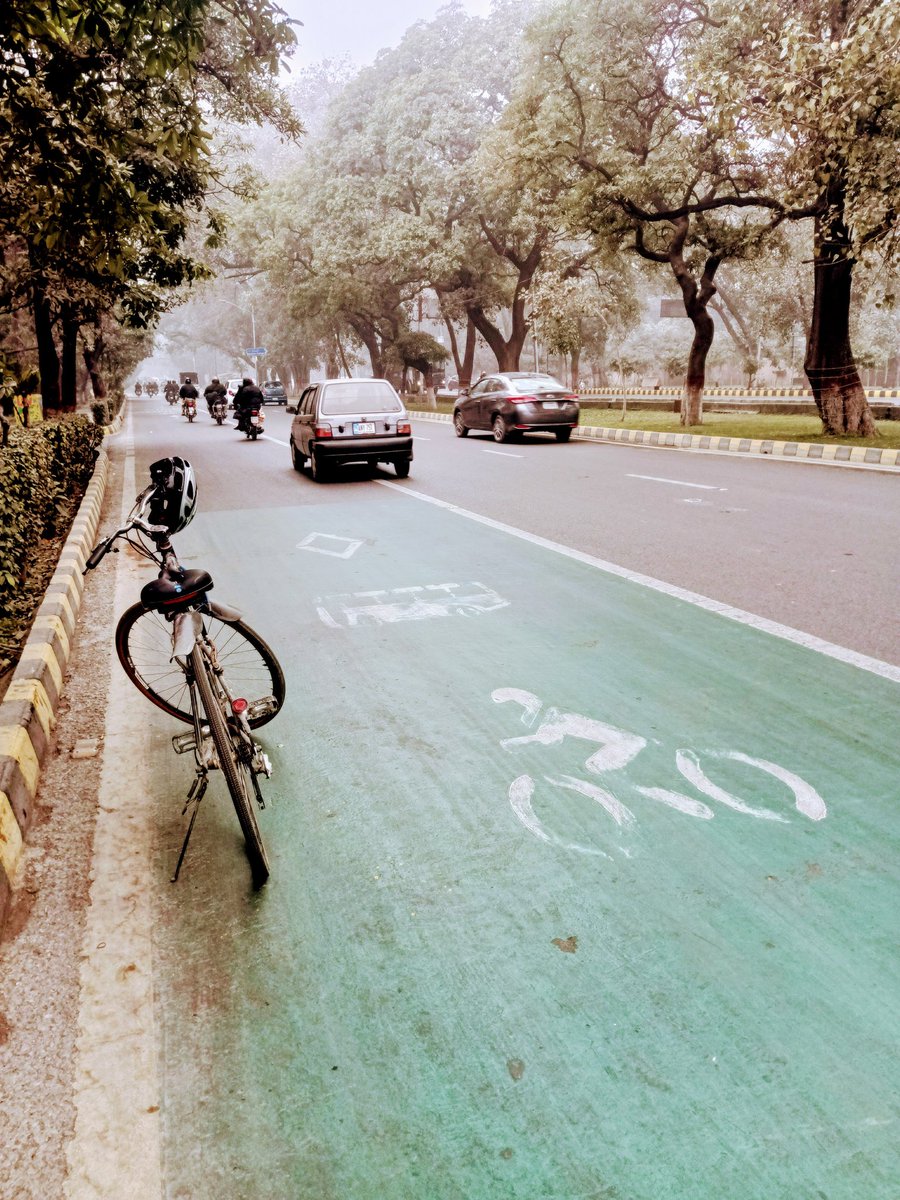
[(248, 398), (187, 391), (214, 391)]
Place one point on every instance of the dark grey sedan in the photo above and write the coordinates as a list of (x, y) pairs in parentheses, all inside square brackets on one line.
[(517, 402)]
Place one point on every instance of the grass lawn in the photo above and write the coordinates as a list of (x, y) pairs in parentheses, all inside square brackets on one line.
[(791, 428)]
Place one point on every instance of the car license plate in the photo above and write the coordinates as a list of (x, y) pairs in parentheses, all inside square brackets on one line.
[(550, 403), (363, 426)]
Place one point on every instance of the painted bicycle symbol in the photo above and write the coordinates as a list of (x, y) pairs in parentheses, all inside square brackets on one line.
[(616, 750)]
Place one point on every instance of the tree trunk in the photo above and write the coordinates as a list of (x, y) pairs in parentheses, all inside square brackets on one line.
[(692, 398), (468, 360), (48, 359), (829, 365), (92, 356), (696, 305), (69, 376), (576, 367)]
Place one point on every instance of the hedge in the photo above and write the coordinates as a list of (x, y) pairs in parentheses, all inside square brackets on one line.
[(41, 470)]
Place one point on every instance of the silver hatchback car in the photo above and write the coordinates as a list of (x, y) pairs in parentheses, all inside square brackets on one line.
[(341, 421)]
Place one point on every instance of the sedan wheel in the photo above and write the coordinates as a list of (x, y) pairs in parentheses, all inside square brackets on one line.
[(459, 425), (402, 468), (297, 460), (499, 430), (563, 435), (317, 468)]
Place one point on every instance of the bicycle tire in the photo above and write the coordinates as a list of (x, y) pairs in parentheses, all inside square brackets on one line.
[(144, 647), (233, 769)]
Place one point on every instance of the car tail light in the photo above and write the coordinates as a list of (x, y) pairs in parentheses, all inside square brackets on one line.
[(404, 427), (322, 431), (519, 399)]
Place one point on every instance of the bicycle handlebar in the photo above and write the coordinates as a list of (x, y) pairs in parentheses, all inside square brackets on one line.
[(100, 551)]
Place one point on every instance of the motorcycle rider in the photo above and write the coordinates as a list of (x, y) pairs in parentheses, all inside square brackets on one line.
[(171, 390), (187, 392), (248, 398), (213, 391)]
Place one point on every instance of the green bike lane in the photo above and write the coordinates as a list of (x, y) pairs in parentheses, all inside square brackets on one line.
[(578, 890)]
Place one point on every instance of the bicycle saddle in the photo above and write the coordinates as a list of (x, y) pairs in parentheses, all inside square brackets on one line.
[(171, 591)]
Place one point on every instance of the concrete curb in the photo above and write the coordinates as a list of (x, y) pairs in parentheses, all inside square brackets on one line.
[(28, 710), (668, 393), (807, 451)]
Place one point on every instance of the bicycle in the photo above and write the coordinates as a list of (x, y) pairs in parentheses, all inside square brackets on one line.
[(175, 645)]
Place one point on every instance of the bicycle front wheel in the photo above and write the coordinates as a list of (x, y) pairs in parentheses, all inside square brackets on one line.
[(236, 771), (144, 646)]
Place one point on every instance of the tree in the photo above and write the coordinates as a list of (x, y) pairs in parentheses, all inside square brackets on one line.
[(819, 82), (606, 114), (103, 150)]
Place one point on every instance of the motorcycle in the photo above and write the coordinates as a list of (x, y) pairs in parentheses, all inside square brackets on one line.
[(189, 408), (218, 411), (138, 389), (171, 394), (252, 423)]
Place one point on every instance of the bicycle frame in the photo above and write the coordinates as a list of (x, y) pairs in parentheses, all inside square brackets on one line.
[(220, 719)]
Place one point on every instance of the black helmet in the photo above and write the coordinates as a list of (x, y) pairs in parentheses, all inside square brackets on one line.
[(246, 380), (175, 500)]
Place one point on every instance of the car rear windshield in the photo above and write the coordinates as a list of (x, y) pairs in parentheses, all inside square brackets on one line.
[(533, 385), (359, 397)]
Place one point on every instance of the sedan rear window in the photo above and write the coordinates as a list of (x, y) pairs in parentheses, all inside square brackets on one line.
[(359, 396), (533, 385)]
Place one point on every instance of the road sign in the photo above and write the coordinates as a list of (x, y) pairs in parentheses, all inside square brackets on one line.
[(256, 351), (671, 308)]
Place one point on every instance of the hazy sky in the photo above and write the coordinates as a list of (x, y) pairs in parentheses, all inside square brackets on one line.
[(359, 28)]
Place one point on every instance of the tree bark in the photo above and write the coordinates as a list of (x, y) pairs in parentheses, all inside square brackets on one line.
[(468, 360), (69, 374), (92, 355), (48, 359), (830, 366), (696, 301), (576, 367)]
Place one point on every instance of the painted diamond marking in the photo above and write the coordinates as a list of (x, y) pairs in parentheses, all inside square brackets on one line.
[(330, 544)]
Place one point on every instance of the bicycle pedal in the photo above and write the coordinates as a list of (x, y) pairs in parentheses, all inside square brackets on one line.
[(263, 707), (183, 743), (262, 764)]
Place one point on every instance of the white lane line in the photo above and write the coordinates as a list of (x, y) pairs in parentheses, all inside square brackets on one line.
[(708, 487), (502, 453), (797, 636), (267, 437)]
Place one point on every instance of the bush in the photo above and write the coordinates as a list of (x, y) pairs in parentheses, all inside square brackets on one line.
[(100, 412), (43, 473)]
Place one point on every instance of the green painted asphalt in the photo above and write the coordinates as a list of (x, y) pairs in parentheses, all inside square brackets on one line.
[(484, 971)]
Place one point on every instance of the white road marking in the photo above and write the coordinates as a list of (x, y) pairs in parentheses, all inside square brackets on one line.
[(502, 453), (785, 632), (348, 546), (266, 437), (707, 487), (416, 603)]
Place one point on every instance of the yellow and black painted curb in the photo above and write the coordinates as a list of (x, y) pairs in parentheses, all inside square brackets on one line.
[(807, 451), (28, 710)]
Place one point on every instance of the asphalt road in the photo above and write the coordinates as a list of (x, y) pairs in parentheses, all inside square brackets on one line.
[(580, 887)]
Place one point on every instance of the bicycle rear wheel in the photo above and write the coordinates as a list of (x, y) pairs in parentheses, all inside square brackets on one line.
[(236, 771), (144, 646)]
